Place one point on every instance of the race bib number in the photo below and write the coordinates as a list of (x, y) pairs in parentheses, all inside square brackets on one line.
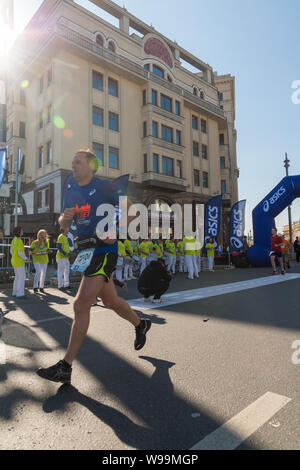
[(83, 260)]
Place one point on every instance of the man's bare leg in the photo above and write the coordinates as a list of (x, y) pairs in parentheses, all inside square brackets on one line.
[(112, 301), (273, 263), (88, 290)]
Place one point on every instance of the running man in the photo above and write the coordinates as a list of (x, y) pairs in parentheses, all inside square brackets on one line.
[(276, 244), (98, 260)]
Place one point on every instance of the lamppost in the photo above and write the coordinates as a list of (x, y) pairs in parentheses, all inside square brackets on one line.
[(286, 166)]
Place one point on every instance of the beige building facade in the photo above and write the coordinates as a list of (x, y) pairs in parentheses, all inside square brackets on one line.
[(77, 81), (295, 231)]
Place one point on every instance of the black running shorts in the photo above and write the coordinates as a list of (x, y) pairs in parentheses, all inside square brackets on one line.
[(276, 253), (102, 264)]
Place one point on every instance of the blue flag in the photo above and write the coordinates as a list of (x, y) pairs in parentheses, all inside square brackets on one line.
[(237, 226), (212, 218), (2, 165)]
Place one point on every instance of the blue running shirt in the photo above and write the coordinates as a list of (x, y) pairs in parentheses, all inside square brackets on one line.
[(86, 200)]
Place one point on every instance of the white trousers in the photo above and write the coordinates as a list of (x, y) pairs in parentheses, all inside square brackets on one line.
[(181, 264), (198, 263), (40, 275), (128, 274), (172, 264), (210, 263), (19, 282), (143, 264), (63, 267), (189, 261)]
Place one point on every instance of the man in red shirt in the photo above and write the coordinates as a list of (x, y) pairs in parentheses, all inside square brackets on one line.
[(276, 247)]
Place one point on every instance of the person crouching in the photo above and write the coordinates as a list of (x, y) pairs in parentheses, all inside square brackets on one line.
[(154, 280)]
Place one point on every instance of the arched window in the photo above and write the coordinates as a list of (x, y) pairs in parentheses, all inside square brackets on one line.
[(111, 46), (99, 40)]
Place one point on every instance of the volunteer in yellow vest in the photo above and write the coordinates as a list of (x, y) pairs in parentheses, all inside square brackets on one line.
[(172, 255), (120, 262), (180, 251), (39, 249), (144, 254), (18, 260), (210, 249), (157, 250), (128, 274), (189, 255), (63, 263)]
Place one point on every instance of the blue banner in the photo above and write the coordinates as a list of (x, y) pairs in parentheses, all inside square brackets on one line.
[(2, 165), (212, 219), (237, 226)]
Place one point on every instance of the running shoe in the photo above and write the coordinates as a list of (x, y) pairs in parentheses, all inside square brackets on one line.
[(35, 290), (157, 301), (282, 272), (42, 290), (141, 331), (274, 273), (60, 372)]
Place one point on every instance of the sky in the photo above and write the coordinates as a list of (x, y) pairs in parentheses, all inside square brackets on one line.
[(258, 42)]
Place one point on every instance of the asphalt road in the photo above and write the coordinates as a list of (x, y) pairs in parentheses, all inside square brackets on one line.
[(190, 380)]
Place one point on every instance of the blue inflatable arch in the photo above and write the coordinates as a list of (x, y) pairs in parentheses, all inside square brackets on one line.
[(263, 218)]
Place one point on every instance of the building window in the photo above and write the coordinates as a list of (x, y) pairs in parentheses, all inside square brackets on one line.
[(179, 169), (155, 163), (97, 81), (113, 121), (22, 97), (178, 137), (222, 107), (222, 163), (113, 157), (49, 113), (221, 96), (41, 121), (40, 199), (113, 87), (49, 76), (167, 166), (144, 97), (205, 179), (154, 98), (98, 151), (41, 157), (158, 71), (41, 84), (222, 140), (22, 129), (47, 197), (203, 126), (111, 46), (194, 122), (196, 178), (155, 129), (177, 108), (145, 163), (147, 66), (167, 133), (223, 186), (166, 103), (195, 149), (204, 151), (145, 129), (49, 152), (97, 116), (99, 40)]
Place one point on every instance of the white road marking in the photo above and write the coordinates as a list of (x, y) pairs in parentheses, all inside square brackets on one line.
[(233, 433), (206, 292)]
